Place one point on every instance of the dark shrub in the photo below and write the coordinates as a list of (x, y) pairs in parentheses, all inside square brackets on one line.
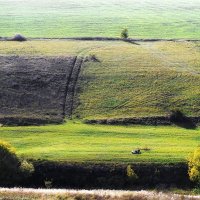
[(19, 38), (9, 164), (131, 175), (178, 118), (124, 33), (91, 58), (12, 169)]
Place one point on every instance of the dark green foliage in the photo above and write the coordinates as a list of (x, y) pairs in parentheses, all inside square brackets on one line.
[(132, 176), (124, 33), (26, 169), (9, 164), (12, 169), (19, 38), (178, 118)]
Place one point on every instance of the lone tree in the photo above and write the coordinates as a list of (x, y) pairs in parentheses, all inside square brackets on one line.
[(124, 33)]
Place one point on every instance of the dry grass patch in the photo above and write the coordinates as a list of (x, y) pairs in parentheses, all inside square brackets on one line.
[(89, 195)]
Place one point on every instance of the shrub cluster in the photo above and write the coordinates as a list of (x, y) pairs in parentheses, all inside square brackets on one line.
[(12, 169), (194, 166), (19, 38), (176, 116), (132, 176)]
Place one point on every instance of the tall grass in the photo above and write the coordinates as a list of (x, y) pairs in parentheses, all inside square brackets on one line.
[(58, 194)]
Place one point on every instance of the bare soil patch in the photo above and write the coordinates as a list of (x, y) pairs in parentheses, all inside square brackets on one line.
[(33, 89)]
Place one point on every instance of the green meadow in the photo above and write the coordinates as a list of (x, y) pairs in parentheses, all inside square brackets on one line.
[(129, 80), (71, 18), (77, 142)]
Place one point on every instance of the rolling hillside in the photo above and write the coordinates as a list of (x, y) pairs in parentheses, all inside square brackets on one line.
[(99, 79), (139, 80)]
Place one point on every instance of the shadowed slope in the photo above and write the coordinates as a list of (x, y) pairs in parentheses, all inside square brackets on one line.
[(32, 89)]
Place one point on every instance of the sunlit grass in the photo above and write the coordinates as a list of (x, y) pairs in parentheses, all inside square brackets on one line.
[(48, 48), (69, 18), (148, 79), (77, 142)]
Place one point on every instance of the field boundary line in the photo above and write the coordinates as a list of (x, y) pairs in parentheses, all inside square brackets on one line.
[(105, 39)]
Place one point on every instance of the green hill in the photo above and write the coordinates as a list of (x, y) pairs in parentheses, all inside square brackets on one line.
[(148, 79), (53, 79), (117, 79)]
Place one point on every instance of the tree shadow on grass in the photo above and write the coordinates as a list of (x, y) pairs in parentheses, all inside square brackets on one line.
[(131, 42), (179, 119)]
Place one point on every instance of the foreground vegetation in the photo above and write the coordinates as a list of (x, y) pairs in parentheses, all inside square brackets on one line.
[(12, 168), (77, 142), (54, 194), (144, 19)]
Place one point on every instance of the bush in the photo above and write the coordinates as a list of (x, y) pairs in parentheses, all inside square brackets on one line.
[(176, 116), (91, 58), (12, 169), (132, 176), (194, 166), (19, 38), (124, 33), (26, 169)]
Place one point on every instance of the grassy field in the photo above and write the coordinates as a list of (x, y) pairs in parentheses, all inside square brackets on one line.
[(131, 80), (77, 142), (149, 79), (143, 18)]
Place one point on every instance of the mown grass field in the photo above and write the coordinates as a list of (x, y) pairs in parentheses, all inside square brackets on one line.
[(77, 142), (130, 80), (71, 18)]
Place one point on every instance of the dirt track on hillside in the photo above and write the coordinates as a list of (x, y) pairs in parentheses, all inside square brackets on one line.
[(37, 89)]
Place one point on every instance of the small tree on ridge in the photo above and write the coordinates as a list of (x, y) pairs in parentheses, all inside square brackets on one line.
[(124, 33)]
